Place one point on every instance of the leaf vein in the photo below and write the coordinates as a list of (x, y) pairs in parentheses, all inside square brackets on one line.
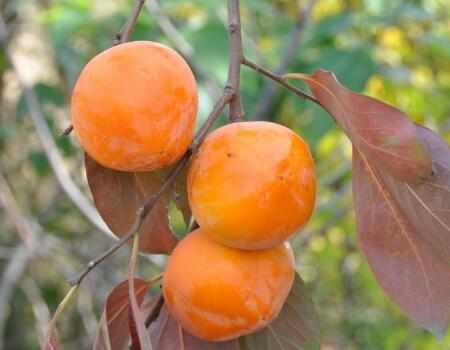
[(402, 228)]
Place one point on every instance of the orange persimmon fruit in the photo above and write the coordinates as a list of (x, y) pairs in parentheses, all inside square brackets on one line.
[(219, 293), (134, 106), (252, 185)]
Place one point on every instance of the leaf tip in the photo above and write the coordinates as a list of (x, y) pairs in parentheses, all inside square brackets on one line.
[(438, 330)]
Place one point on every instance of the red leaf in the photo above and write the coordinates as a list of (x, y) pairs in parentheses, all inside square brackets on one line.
[(166, 334), (404, 233), (113, 332), (297, 327), (103, 341), (140, 339), (51, 343), (383, 134), (117, 196)]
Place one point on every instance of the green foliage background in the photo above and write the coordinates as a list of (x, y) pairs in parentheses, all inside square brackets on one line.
[(397, 51)]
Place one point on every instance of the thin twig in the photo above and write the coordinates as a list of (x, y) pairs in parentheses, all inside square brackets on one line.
[(235, 58), (229, 92), (67, 131), (279, 79), (267, 95), (124, 35), (172, 33), (143, 211)]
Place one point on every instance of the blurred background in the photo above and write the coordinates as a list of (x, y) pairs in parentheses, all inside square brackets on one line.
[(397, 51)]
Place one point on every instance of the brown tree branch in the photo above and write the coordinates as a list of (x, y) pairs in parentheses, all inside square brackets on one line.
[(172, 33), (229, 94), (235, 58), (67, 131), (249, 42), (143, 211), (124, 35), (266, 98)]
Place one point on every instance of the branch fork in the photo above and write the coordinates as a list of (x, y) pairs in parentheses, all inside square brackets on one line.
[(230, 96)]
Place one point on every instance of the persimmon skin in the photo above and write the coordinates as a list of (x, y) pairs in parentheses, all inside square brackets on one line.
[(134, 106), (252, 185), (219, 293)]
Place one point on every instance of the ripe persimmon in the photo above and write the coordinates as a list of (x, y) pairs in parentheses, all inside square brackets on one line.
[(134, 106), (252, 185), (218, 293)]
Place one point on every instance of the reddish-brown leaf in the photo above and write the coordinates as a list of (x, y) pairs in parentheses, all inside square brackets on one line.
[(404, 232), (166, 334), (103, 341), (382, 133), (118, 195), (140, 339), (296, 327), (113, 332), (51, 343)]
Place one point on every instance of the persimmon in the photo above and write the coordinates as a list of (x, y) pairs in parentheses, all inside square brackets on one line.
[(218, 293), (252, 185), (134, 106)]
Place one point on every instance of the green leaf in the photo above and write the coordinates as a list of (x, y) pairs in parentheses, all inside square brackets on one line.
[(39, 161)]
